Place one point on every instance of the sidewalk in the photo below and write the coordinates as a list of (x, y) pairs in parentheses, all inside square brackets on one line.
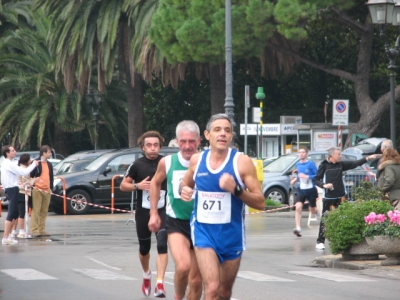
[(372, 267)]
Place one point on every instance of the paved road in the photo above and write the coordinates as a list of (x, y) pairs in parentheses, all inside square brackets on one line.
[(95, 257)]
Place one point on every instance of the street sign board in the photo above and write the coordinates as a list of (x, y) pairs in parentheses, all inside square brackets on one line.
[(340, 115), (256, 115), (267, 129)]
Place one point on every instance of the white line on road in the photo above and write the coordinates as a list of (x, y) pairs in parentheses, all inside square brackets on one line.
[(101, 274), (27, 274), (103, 264), (259, 277), (330, 276)]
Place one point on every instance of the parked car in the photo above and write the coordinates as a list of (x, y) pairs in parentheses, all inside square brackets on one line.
[(77, 161), (268, 160), (93, 183), (276, 184)]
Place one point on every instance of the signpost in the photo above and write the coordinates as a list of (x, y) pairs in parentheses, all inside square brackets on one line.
[(246, 106), (340, 117)]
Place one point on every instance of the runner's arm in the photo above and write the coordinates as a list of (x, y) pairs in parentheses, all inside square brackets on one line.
[(253, 195), (187, 183), (155, 185)]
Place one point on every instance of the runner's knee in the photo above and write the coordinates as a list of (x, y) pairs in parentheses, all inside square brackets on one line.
[(144, 246), (162, 246)]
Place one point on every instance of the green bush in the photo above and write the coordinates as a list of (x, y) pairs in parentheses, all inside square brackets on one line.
[(367, 192), (270, 202), (344, 226)]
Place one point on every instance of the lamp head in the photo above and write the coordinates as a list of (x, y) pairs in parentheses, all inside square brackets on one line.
[(381, 11), (260, 93)]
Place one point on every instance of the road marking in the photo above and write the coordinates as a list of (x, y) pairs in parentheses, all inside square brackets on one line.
[(100, 274), (331, 276), (103, 264), (27, 274), (259, 277)]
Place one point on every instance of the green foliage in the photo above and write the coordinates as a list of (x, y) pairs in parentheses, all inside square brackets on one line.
[(195, 31), (270, 202), (366, 192), (293, 16), (344, 226)]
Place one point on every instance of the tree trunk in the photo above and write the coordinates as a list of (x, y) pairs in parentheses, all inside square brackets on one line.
[(134, 95), (134, 87), (61, 142), (217, 87)]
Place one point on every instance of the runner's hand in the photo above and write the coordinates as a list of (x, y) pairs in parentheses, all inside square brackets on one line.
[(154, 222), (145, 184), (227, 183), (187, 193)]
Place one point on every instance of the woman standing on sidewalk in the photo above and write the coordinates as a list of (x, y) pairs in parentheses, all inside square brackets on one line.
[(23, 181), (389, 179)]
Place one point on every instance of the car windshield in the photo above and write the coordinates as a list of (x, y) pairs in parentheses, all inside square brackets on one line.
[(94, 165), (280, 164)]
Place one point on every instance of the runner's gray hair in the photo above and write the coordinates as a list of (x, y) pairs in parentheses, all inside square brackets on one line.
[(217, 117), (187, 125)]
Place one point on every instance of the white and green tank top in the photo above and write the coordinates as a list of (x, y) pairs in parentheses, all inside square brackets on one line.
[(176, 167)]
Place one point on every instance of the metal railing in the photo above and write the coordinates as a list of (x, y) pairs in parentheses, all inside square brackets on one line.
[(353, 178)]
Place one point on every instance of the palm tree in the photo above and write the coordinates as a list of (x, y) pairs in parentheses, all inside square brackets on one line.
[(35, 98), (88, 34)]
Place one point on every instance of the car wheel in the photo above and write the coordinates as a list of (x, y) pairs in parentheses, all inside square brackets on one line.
[(276, 194), (78, 207)]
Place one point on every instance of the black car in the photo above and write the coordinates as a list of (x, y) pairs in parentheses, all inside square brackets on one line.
[(71, 163), (93, 184)]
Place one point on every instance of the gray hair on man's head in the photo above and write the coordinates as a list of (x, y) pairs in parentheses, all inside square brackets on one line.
[(217, 117), (187, 125), (386, 144), (332, 150)]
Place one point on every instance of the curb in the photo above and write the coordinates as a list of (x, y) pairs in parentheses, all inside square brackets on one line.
[(336, 261)]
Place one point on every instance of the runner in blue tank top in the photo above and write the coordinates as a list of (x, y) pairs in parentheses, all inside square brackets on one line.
[(225, 181)]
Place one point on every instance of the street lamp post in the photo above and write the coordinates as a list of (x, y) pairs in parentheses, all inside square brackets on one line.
[(229, 104), (388, 12), (95, 100)]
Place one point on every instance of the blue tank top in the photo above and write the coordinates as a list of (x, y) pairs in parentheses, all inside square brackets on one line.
[(218, 216)]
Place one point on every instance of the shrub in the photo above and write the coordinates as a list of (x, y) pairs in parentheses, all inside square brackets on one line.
[(270, 202), (367, 192), (344, 226)]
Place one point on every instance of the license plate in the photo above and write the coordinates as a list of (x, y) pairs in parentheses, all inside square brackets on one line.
[(349, 183)]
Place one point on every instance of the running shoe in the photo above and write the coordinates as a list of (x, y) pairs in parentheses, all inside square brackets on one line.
[(159, 292), (9, 241), (146, 286), (320, 246), (297, 231)]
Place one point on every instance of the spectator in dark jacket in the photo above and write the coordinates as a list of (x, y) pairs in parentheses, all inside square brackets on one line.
[(329, 177), (42, 192), (389, 181)]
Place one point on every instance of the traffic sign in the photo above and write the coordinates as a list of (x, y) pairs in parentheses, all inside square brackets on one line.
[(340, 115)]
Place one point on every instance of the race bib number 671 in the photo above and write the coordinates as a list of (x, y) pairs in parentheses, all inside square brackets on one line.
[(214, 207)]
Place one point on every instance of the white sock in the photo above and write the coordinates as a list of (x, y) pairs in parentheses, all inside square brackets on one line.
[(147, 274)]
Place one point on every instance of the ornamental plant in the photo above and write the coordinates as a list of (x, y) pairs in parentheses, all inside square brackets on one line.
[(379, 224), (345, 225)]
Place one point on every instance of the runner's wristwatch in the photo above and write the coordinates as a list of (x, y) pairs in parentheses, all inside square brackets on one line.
[(238, 190)]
